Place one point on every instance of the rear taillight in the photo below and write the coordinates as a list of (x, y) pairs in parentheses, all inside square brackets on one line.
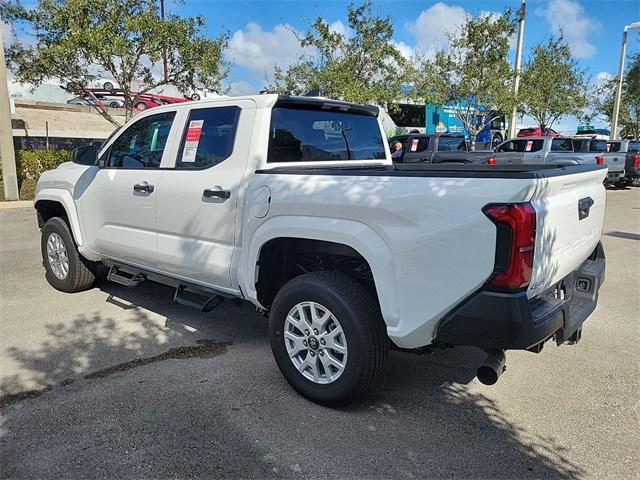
[(515, 244), (636, 160), (491, 161), (599, 160)]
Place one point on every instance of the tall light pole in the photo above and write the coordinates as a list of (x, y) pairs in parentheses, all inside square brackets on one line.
[(616, 105), (165, 66), (7, 154), (516, 80)]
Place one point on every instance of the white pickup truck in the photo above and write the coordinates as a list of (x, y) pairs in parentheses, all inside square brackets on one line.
[(293, 204)]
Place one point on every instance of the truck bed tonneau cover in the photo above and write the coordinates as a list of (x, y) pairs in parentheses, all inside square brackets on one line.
[(520, 171)]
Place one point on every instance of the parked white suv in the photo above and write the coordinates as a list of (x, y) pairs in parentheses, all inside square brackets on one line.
[(293, 204)]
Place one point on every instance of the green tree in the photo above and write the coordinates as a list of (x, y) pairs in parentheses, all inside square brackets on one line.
[(76, 41), (553, 85), (472, 75), (363, 66), (629, 115)]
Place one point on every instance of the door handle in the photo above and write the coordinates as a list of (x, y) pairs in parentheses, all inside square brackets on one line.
[(143, 187), (216, 192)]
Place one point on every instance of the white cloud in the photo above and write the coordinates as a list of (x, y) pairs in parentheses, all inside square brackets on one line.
[(241, 88), (341, 28), (8, 34), (432, 25), (569, 18), (406, 51), (602, 77), (260, 50)]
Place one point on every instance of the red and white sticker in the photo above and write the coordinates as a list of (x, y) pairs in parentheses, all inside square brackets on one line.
[(192, 140), (529, 145), (414, 144)]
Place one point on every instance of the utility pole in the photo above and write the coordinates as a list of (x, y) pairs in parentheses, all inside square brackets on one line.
[(516, 80), (7, 154), (164, 50), (616, 105)]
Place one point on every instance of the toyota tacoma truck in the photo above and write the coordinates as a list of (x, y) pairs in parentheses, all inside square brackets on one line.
[(293, 204)]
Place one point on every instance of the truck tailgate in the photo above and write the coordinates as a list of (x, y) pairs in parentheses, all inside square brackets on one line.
[(570, 214)]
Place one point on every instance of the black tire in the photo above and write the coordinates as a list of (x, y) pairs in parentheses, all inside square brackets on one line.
[(81, 271), (114, 105), (195, 97), (108, 85), (496, 140), (362, 324), (141, 106)]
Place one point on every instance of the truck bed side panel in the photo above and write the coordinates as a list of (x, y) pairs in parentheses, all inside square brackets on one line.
[(442, 245)]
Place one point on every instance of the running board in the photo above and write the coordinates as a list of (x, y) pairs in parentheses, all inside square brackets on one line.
[(196, 299), (125, 278)]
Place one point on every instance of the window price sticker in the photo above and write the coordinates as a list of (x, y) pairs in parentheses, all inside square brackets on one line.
[(414, 145), (192, 140)]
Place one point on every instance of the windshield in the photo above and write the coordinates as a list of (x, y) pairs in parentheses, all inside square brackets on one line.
[(313, 135)]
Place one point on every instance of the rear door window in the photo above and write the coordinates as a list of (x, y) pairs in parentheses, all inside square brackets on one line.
[(314, 135), (533, 145), (447, 144), (516, 146), (418, 144), (208, 137), (598, 146), (561, 145), (613, 146)]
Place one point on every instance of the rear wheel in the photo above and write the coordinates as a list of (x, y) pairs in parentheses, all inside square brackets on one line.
[(65, 269), (141, 106), (328, 337), (108, 85), (195, 97)]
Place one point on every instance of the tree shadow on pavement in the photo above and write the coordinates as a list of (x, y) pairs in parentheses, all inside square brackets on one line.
[(154, 402)]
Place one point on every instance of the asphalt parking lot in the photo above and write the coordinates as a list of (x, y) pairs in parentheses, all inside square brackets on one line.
[(120, 383)]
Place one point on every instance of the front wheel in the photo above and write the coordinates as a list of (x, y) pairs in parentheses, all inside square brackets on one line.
[(141, 106), (65, 269), (328, 337)]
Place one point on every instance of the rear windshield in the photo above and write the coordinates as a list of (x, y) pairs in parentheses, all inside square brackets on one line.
[(311, 135), (634, 147), (446, 144)]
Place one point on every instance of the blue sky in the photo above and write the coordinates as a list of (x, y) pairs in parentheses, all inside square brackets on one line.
[(260, 29), (261, 35), (593, 28)]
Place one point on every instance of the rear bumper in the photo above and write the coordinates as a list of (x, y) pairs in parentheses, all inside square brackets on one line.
[(615, 176), (632, 172), (511, 321)]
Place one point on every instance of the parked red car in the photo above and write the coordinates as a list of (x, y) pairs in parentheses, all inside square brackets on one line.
[(537, 132)]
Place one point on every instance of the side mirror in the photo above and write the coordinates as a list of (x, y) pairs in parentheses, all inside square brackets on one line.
[(85, 155)]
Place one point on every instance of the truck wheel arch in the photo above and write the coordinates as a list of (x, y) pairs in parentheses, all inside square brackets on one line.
[(341, 237), (56, 204)]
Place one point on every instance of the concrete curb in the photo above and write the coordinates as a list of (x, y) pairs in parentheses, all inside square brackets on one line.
[(4, 205)]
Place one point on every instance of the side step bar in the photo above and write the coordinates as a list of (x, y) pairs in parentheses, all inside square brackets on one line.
[(197, 299), (124, 278)]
